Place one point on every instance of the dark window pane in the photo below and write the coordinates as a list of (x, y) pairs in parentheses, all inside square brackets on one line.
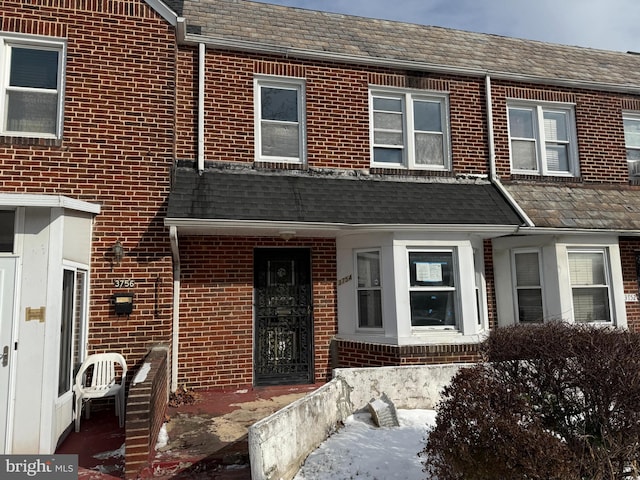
[(427, 116), (7, 226), (279, 104), (432, 309), (34, 68), (370, 308)]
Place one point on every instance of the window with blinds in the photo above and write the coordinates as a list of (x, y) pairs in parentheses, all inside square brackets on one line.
[(32, 83), (590, 286), (542, 139)]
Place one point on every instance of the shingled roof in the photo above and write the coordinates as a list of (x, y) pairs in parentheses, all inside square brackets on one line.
[(579, 207), (219, 194), (351, 38)]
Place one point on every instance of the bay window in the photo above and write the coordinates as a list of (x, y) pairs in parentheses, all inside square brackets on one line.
[(528, 286), (590, 286), (369, 289), (432, 289)]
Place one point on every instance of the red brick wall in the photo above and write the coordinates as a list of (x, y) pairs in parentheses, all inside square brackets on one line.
[(117, 151), (629, 248), (216, 308), (145, 414), (599, 128), (337, 110), (359, 354)]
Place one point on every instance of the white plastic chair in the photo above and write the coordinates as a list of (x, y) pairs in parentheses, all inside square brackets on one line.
[(98, 378)]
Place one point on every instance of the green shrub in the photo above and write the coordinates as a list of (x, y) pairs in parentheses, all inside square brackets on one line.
[(551, 401)]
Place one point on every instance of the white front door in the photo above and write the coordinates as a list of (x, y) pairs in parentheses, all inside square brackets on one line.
[(7, 290)]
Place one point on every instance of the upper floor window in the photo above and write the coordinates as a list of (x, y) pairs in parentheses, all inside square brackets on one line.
[(543, 139), (409, 130), (280, 120), (632, 142), (32, 79)]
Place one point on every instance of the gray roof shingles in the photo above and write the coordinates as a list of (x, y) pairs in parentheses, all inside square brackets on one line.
[(286, 27), (578, 207), (228, 195)]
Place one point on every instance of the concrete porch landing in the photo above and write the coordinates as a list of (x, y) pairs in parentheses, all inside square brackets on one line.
[(207, 439)]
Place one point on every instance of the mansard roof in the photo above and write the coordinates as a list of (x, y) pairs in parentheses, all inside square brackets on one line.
[(244, 194), (579, 207), (247, 25)]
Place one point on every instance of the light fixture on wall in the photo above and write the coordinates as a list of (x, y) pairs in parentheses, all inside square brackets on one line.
[(117, 252), (287, 235)]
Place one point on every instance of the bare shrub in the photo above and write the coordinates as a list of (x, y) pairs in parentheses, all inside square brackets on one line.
[(552, 401)]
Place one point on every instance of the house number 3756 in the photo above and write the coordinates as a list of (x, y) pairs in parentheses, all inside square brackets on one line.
[(124, 283)]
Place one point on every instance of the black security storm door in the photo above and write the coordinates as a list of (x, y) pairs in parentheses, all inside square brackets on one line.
[(283, 346)]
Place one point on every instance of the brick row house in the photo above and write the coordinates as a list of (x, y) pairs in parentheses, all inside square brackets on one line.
[(294, 191)]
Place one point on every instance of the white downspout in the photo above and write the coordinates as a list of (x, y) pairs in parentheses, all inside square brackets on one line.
[(492, 155), (173, 237), (201, 76)]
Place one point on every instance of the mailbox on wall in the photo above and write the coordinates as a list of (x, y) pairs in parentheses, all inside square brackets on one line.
[(123, 303)]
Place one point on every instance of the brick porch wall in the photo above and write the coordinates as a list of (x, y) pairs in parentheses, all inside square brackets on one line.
[(351, 354), (145, 413)]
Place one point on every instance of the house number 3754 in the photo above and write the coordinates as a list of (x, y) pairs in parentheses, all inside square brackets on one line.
[(124, 283)]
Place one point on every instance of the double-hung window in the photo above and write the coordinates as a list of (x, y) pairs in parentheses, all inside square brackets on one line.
[(32, 87), (590, 285), (280, 120), (409, 130), (528, 286), (543, 139), (432, 288), (369, 289), (632, 142)]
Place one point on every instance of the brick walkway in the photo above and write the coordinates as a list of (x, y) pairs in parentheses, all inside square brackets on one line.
[(207, 439)]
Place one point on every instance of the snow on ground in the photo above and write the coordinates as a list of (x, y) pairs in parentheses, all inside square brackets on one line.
[(363, 451)]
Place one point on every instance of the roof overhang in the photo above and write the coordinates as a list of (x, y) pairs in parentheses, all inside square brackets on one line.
[(47, 201), (221, 227)]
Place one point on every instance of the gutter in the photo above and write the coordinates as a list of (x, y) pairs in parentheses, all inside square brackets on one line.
[(175, 330), (202, 49), (493, 176)]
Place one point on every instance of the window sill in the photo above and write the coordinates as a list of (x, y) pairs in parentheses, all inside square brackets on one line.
[(30, 141)]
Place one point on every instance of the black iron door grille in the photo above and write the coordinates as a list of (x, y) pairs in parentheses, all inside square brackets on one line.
[(283, 310)]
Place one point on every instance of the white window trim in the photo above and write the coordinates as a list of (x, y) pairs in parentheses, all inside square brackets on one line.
[(408, 148), (633, 166), (380, 288), (514, 283), (33, 42), (455, 289), (572, 143), (608, 279), (292, 83)]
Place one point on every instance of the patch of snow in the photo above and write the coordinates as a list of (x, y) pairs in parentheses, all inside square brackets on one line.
[(242, 391), (112, 454), (141, 376), (163, 437), (362, 450)]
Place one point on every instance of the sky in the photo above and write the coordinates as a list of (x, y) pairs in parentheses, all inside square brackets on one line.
[(602, 24)]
